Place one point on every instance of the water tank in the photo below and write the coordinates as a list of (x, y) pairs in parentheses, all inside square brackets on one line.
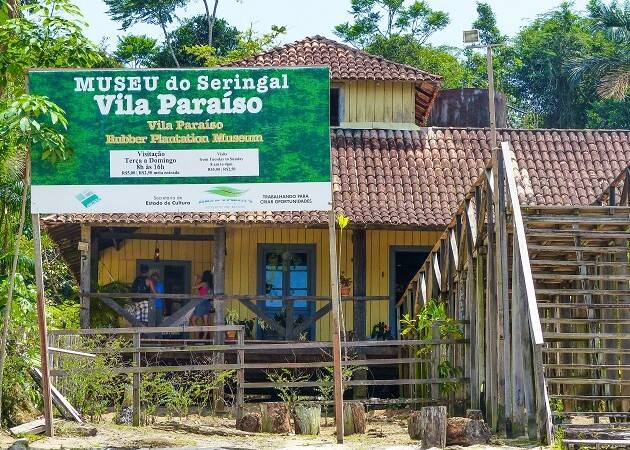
[(466, 107)]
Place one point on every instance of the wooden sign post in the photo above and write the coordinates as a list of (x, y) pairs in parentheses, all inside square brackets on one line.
[(336, 333), (41, 322)]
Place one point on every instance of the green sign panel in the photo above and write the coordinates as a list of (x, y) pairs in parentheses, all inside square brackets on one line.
[(187, 140)]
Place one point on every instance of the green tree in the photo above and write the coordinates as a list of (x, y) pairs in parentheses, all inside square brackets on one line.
[(608, 70), (136, 50), (541, 77), (383, 19), (154, 12), (46, 34), (398, 30), (194, 31), (440, 60), (249, 44)]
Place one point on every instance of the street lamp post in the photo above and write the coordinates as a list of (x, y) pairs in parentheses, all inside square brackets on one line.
[(471, 39)]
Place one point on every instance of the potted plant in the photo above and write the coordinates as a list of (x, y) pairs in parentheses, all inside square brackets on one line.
[(381, 332), (231, 318), (345, 283), (249, 327)]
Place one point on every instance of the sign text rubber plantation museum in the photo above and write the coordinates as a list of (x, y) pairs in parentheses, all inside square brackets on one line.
[(187, 141)]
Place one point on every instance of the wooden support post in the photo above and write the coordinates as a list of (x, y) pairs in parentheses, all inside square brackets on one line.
[(435, 361), (336, 334), (481, 325), (491, 316), (471, 315), (85, 247), (136, 382), (359, 268), (219, 306), (503, 300), (219, 280), (517, 374), (240, 380), (529, 392), (41, 322)]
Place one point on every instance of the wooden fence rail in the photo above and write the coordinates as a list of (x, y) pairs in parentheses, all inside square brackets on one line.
[(71, 345)]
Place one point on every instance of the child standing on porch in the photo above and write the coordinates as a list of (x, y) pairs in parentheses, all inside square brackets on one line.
[(201, 314)]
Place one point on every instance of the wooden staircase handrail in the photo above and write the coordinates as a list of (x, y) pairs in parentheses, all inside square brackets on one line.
[(519, 230)]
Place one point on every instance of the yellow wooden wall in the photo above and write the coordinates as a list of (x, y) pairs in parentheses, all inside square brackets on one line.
[(120, 265), (379, 101), (241, 262)]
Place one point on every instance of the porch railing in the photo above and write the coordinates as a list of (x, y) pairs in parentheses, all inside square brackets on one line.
[(290, 330)]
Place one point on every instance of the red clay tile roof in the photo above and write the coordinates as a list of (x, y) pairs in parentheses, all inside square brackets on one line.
[(416, 179), (345, 62), (348, 63)]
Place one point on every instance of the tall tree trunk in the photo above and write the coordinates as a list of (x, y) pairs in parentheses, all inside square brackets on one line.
[(211, 18), (7, 309), (168, 42)]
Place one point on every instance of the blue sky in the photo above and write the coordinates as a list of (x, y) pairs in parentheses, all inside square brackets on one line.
[(309, 17)]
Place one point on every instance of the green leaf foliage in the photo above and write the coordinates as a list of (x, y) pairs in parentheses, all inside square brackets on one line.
[(191, 32), (136, 50)]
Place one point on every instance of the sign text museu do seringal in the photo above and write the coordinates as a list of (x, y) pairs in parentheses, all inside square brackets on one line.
[(187, 140)]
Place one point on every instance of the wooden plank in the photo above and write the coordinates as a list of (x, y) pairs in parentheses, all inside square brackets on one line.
[(572, 249), (120, 236), (579, 336), (306, 384), (583, 380), (60, 402), (574, 263), (71, 352), (492, 338), (262, 314), (582, 220), (606, 292), (121, 311), (180, 316), (585, 234), (520, 343), (319, 314), (577, 277), (575, 366), (240, 376), (144, 330), (36, 426)]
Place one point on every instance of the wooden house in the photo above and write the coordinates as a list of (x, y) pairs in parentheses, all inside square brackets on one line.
[(398, 182)]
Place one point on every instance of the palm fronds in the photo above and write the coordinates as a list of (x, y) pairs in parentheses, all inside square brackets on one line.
[(609, 72)]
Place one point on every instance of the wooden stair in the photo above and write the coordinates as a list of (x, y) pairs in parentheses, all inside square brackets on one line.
[(581, 270)]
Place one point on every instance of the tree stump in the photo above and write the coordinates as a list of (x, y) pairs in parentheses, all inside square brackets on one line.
[(429, 426), (465, 431), (474, 414), (414, 426), (275, 418), (353, 418), (307, 418), (251, 422)]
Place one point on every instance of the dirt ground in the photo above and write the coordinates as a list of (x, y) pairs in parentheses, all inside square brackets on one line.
[(385, 430)]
